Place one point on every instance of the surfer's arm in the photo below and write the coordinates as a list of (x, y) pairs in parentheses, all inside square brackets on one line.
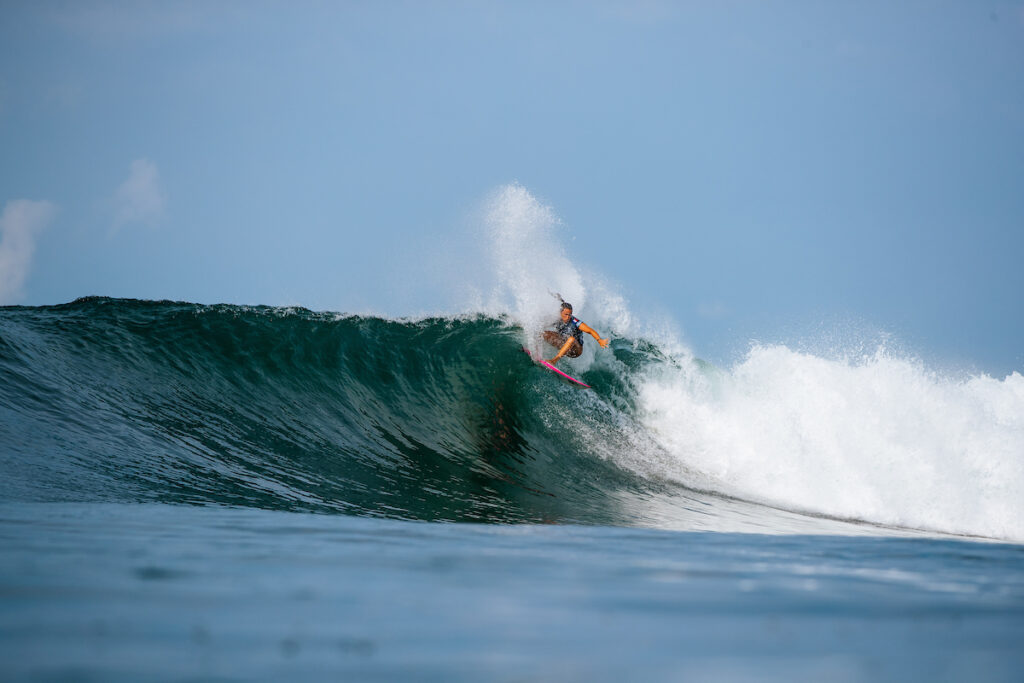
[(593, 333)]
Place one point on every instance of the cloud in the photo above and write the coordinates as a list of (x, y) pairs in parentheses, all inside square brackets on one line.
[(139, 199), (21, 221)]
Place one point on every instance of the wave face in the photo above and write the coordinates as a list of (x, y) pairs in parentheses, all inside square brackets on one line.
[(439, 419), (445, 419)]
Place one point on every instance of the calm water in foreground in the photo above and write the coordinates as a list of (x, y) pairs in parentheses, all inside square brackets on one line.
[(154, 592)]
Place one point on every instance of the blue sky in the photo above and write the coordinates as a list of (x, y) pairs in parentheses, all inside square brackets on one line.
[(779, 171)]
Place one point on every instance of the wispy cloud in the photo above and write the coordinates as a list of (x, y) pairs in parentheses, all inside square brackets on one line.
[(139, 199), (21, 222)]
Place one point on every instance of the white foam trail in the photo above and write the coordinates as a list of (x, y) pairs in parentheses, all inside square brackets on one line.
[(881, 439)]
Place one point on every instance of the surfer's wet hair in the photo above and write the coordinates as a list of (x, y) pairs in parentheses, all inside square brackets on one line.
[(565, 304)]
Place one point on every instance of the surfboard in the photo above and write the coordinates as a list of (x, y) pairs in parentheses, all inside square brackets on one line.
[(548, 366)]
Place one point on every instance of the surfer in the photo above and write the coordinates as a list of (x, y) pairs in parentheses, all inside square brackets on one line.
[(567, 336)]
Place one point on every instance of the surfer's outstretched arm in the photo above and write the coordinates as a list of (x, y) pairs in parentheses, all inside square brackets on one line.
[(593, 333)]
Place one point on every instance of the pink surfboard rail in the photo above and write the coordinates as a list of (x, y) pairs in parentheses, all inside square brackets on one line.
[(552, 368)]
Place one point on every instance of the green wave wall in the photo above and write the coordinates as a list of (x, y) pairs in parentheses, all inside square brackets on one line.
[(437, 419)]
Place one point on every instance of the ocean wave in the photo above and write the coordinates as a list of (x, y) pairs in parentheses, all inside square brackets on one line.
[(445, 419)]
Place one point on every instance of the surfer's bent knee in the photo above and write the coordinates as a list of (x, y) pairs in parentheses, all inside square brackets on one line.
[(558, 341)]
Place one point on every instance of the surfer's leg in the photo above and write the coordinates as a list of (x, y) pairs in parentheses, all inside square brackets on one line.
[(571, 348), (554, 339)]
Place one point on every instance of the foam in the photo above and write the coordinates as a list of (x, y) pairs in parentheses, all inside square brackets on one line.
[(879, 438)]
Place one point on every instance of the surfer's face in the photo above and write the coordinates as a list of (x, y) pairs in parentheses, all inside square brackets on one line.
[(566, 314)]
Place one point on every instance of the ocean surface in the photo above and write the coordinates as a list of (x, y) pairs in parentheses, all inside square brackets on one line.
[(235, 493)]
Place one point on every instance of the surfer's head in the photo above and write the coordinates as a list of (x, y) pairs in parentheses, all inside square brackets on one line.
[(566, 311)]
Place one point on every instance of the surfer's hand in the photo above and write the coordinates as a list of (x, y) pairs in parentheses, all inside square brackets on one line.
[(604, 343)]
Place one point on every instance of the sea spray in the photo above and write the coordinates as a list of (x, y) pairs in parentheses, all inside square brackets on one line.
[(530, 266), (531, 271)]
